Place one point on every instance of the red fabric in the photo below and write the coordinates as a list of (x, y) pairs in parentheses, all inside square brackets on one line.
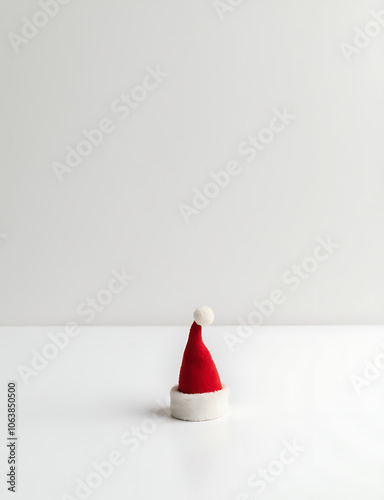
[(198, 371)]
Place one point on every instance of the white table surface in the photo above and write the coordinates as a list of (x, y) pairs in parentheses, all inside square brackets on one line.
[(287, 384)]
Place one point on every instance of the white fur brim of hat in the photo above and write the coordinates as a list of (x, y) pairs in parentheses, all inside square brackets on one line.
[(198, 407)]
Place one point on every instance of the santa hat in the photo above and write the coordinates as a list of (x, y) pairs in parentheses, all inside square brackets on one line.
[(200, 394)]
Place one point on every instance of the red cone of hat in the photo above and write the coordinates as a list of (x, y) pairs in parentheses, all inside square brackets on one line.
[(198, 373)]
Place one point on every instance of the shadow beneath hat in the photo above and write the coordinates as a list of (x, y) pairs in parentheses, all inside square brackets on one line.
[(160, 412)]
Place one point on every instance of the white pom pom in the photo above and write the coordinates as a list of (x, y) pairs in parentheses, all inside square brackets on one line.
[(204, 315)]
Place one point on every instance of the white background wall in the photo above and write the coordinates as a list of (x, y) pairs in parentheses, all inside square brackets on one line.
[(323, 175)]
